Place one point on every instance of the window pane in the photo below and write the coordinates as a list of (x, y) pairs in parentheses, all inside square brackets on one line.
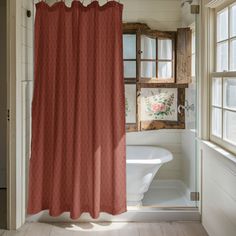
[(222, 25), (164, 49), (129, 46), (230, 126), (216, 121), (217, 92), (222, 56), (148, 47), (130, 103), (148, 69), (130, 69), (164, 70), (230, 93), (233, 55), (233, 21)]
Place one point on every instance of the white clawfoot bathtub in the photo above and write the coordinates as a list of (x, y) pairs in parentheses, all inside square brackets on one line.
[(142, 164)]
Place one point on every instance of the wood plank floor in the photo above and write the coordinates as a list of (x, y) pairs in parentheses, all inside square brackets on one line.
[(110, 229)]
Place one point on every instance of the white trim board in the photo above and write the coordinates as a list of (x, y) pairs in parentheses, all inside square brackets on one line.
[(15, 162), (219, 150), (144, 215)]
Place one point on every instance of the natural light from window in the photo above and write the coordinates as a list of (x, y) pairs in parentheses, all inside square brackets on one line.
[(223, 82)]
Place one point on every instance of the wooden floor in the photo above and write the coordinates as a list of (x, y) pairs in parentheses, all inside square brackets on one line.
[(110, 229)]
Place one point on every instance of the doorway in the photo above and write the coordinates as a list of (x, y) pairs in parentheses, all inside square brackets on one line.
[(3, 116)]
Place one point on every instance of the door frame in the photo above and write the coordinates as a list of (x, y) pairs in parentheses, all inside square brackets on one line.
[(15, 161)]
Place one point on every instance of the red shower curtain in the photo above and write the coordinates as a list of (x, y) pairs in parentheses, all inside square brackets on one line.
[(78, 113)]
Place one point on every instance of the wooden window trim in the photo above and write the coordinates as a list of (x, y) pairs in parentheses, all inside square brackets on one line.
[(184, 55), (155, 34)]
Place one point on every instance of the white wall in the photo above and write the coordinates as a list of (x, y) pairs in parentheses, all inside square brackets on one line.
[(3, 95), (218, 191), (158, 14)]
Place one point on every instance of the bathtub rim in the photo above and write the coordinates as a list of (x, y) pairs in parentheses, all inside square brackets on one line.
[(156, 160)]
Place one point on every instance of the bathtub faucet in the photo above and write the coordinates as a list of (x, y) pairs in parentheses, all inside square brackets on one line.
[(186, 107)]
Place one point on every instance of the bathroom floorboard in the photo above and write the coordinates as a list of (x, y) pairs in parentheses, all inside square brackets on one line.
[(110, 229)]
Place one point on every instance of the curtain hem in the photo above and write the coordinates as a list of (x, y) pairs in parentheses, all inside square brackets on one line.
[(76, 216)]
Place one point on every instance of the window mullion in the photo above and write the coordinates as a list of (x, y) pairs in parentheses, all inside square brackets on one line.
[(222, 108), (229, 61), (224, 74)]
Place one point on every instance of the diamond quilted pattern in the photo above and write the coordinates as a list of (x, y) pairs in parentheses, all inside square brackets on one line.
[(78, 112)]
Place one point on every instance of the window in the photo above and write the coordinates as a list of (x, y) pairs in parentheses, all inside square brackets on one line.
[(157, 58), (223, 80), (153, 91), (129, 56)]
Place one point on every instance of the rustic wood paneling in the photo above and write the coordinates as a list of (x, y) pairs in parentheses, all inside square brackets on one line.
[(149, 84), (183, 54), (133, 27)]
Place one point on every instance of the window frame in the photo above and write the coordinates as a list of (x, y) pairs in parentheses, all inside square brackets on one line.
[(154, 34), (221, 141), (133, 81), (140, 29)]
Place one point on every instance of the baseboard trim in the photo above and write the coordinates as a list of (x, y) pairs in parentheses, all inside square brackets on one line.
[(144, 215)]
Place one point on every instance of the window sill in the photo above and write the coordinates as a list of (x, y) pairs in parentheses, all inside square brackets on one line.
[(223, 152)]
